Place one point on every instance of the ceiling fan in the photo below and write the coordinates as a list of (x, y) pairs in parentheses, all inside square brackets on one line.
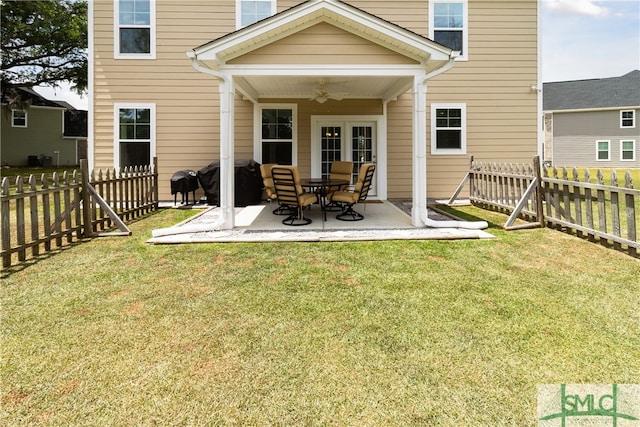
[(322, 95)]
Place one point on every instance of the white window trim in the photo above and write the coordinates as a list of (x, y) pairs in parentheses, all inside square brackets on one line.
[(464, 56), (463, 131), (13, 118), (116, 129), (239, 13), (633, 119), (608, 159), (116, 33), (633, 150), (257, 129)]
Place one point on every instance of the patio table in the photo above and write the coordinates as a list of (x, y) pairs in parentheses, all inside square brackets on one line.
[(321, 187)]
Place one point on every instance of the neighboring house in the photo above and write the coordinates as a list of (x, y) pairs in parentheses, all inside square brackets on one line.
[(415, 86), (593, 123), (40, 132)]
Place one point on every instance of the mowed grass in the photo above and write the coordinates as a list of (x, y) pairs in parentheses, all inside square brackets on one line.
[(453, 333)]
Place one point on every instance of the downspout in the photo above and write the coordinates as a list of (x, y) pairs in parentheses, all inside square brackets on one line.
[(422, 204), (226, 219)]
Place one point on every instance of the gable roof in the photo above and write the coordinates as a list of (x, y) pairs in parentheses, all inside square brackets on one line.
[(334, 12), (613, 92), (30, 96)]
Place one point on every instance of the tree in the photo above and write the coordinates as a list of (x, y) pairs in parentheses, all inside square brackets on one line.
[(44, 42)]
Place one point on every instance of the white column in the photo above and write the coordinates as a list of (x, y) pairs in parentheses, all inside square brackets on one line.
[(419, 167), (227, 182)]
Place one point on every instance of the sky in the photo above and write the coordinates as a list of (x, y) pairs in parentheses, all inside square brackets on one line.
[(581, 39)]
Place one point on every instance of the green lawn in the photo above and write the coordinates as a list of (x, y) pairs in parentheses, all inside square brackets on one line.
[(452, 333)]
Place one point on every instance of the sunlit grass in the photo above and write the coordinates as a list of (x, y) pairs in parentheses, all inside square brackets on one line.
[(120, 332)]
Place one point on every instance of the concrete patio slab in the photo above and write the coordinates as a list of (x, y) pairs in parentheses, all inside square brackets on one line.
[(383, 221)]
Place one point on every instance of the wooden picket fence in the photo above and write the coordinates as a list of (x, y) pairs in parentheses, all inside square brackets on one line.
[(40, 215), (608, 213)]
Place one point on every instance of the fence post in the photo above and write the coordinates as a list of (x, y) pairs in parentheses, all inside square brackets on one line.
[(156, 191), (539, 195), (86, 199)]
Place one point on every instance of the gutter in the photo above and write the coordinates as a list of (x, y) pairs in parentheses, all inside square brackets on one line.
[(423, 211)]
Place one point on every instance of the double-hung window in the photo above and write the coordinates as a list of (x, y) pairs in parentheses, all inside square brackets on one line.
[(628, 150), (627, 119), (135, 134), (251, 11), (448, 129), (18, 118), (603, 150), (278, 134), (448, 25), (135, 32)]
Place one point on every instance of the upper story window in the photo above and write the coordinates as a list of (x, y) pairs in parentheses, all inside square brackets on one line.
[(18, 118), (628, 150), (627, 119), (448, 129), (135, 32), (448, 22), (250, 11), (603, 150)]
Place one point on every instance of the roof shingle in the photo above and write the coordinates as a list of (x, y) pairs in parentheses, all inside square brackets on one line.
[(623, 91)]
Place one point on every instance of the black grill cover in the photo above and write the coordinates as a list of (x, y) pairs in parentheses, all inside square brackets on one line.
[(183, 182), (248, 182)]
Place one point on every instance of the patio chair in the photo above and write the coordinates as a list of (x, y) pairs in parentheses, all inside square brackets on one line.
[(359, 194), (269, 189), (339, 170), (286, 182)]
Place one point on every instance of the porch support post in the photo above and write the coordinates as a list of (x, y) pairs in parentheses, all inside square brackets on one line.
[(419, 166), (227, 170)]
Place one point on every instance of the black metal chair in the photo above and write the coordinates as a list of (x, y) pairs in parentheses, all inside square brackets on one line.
[(291, 195), (359, 194)]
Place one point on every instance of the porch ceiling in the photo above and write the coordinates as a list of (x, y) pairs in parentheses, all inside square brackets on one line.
[(336, 87)]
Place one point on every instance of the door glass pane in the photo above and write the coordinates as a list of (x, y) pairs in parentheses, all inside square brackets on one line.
[(361, 148), (331, 139)]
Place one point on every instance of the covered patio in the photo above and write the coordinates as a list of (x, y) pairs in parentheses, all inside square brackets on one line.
[(383, 220), (307, 54)]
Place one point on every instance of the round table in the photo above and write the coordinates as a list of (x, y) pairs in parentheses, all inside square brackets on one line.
[(321, 187)]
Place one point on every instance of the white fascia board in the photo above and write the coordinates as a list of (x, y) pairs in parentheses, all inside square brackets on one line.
[(324, 70)]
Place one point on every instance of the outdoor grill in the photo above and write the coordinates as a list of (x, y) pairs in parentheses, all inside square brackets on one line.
[(183, 182), (248, 182)]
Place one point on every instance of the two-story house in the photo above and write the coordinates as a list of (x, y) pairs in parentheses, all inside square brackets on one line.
[(593, 123), (415, 86)]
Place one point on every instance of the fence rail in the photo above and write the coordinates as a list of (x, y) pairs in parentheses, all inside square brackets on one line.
[(608, 212), (40, 215)]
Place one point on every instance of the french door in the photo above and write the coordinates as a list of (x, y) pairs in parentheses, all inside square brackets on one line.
[(345, 140)]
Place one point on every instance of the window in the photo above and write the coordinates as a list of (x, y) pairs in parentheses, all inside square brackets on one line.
[(448, 129), (628, 150), (251, 11), (448, 25), (18, 118), (604, 150), (135, 134), (135, 36), (627, 119), (278, 135)]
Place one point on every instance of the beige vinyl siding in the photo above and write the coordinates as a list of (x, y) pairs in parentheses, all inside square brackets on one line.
[(187, 114), (317, 45), (495, 83)]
